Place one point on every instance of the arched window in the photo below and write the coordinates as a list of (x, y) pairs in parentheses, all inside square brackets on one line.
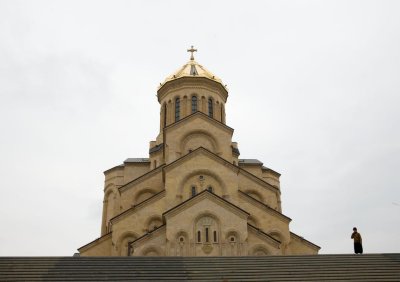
[(215, 237), (193, 191), (207, 234), (210, 108), (194, 104), (198, 236), (177, 109)]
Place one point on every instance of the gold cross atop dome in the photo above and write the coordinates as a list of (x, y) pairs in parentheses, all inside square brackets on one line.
[(192, 50)]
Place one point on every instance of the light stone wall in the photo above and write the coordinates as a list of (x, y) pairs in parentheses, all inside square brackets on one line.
[(134, 170), (198, 131), (149, 207)]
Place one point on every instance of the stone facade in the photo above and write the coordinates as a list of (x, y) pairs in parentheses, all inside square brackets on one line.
[(193, 196)]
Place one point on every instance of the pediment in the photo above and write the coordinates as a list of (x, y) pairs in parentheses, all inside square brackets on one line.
[(189, 120), (157, 172), (218, 160), (149, 201), (263, 236), (151, 243), (201, 152), (211, 199)]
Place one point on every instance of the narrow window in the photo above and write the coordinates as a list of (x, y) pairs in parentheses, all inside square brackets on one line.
[(206, 234), (194, 104), (210, 108), (198, 236), (215, 236), (193, 191), (177, 109)]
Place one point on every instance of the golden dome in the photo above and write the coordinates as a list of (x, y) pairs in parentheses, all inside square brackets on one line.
[(192, 69)]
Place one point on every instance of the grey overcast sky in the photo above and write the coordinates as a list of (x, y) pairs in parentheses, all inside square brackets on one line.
[(313, 94)]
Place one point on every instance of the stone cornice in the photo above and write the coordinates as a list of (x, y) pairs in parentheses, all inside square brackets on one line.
[(134, 208), (95, 242), (260, 181), (203, 151), (121, 166), (235, 168), (148, 235), (192, 83), (270, 170), (206, 195), (203, 116), (141, 178), (257, 231), (264, 207), (310, 244)]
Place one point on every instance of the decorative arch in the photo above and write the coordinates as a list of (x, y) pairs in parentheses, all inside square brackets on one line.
[(109, 206), (181, 243), (204, 172), (203, 104), (152, 251), (260, 250), (204, 227), (233, 241), (184, 105), (164, 115), (276, 234), (253, 221), (169, 112), (143, 194), (194, 139), (107, 187), (153, 222), (123, 241), (232, 234), (255, 194)]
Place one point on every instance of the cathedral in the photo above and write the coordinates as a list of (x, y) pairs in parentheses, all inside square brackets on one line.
[(193, 195)]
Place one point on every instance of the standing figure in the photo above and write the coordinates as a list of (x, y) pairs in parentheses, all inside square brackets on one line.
[(358, 249)]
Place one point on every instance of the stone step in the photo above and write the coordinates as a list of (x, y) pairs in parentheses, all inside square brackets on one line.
[(372, 267)]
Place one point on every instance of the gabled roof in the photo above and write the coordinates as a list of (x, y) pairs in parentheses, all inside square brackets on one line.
[(100, 239), (268, 208), (206, 194), (202, 115), (139, 205), (151, 232), (142, 177), (225, 162), (263, 234), (304, 240)]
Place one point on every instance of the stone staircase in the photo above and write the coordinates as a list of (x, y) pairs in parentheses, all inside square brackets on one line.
[(370, 267)]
